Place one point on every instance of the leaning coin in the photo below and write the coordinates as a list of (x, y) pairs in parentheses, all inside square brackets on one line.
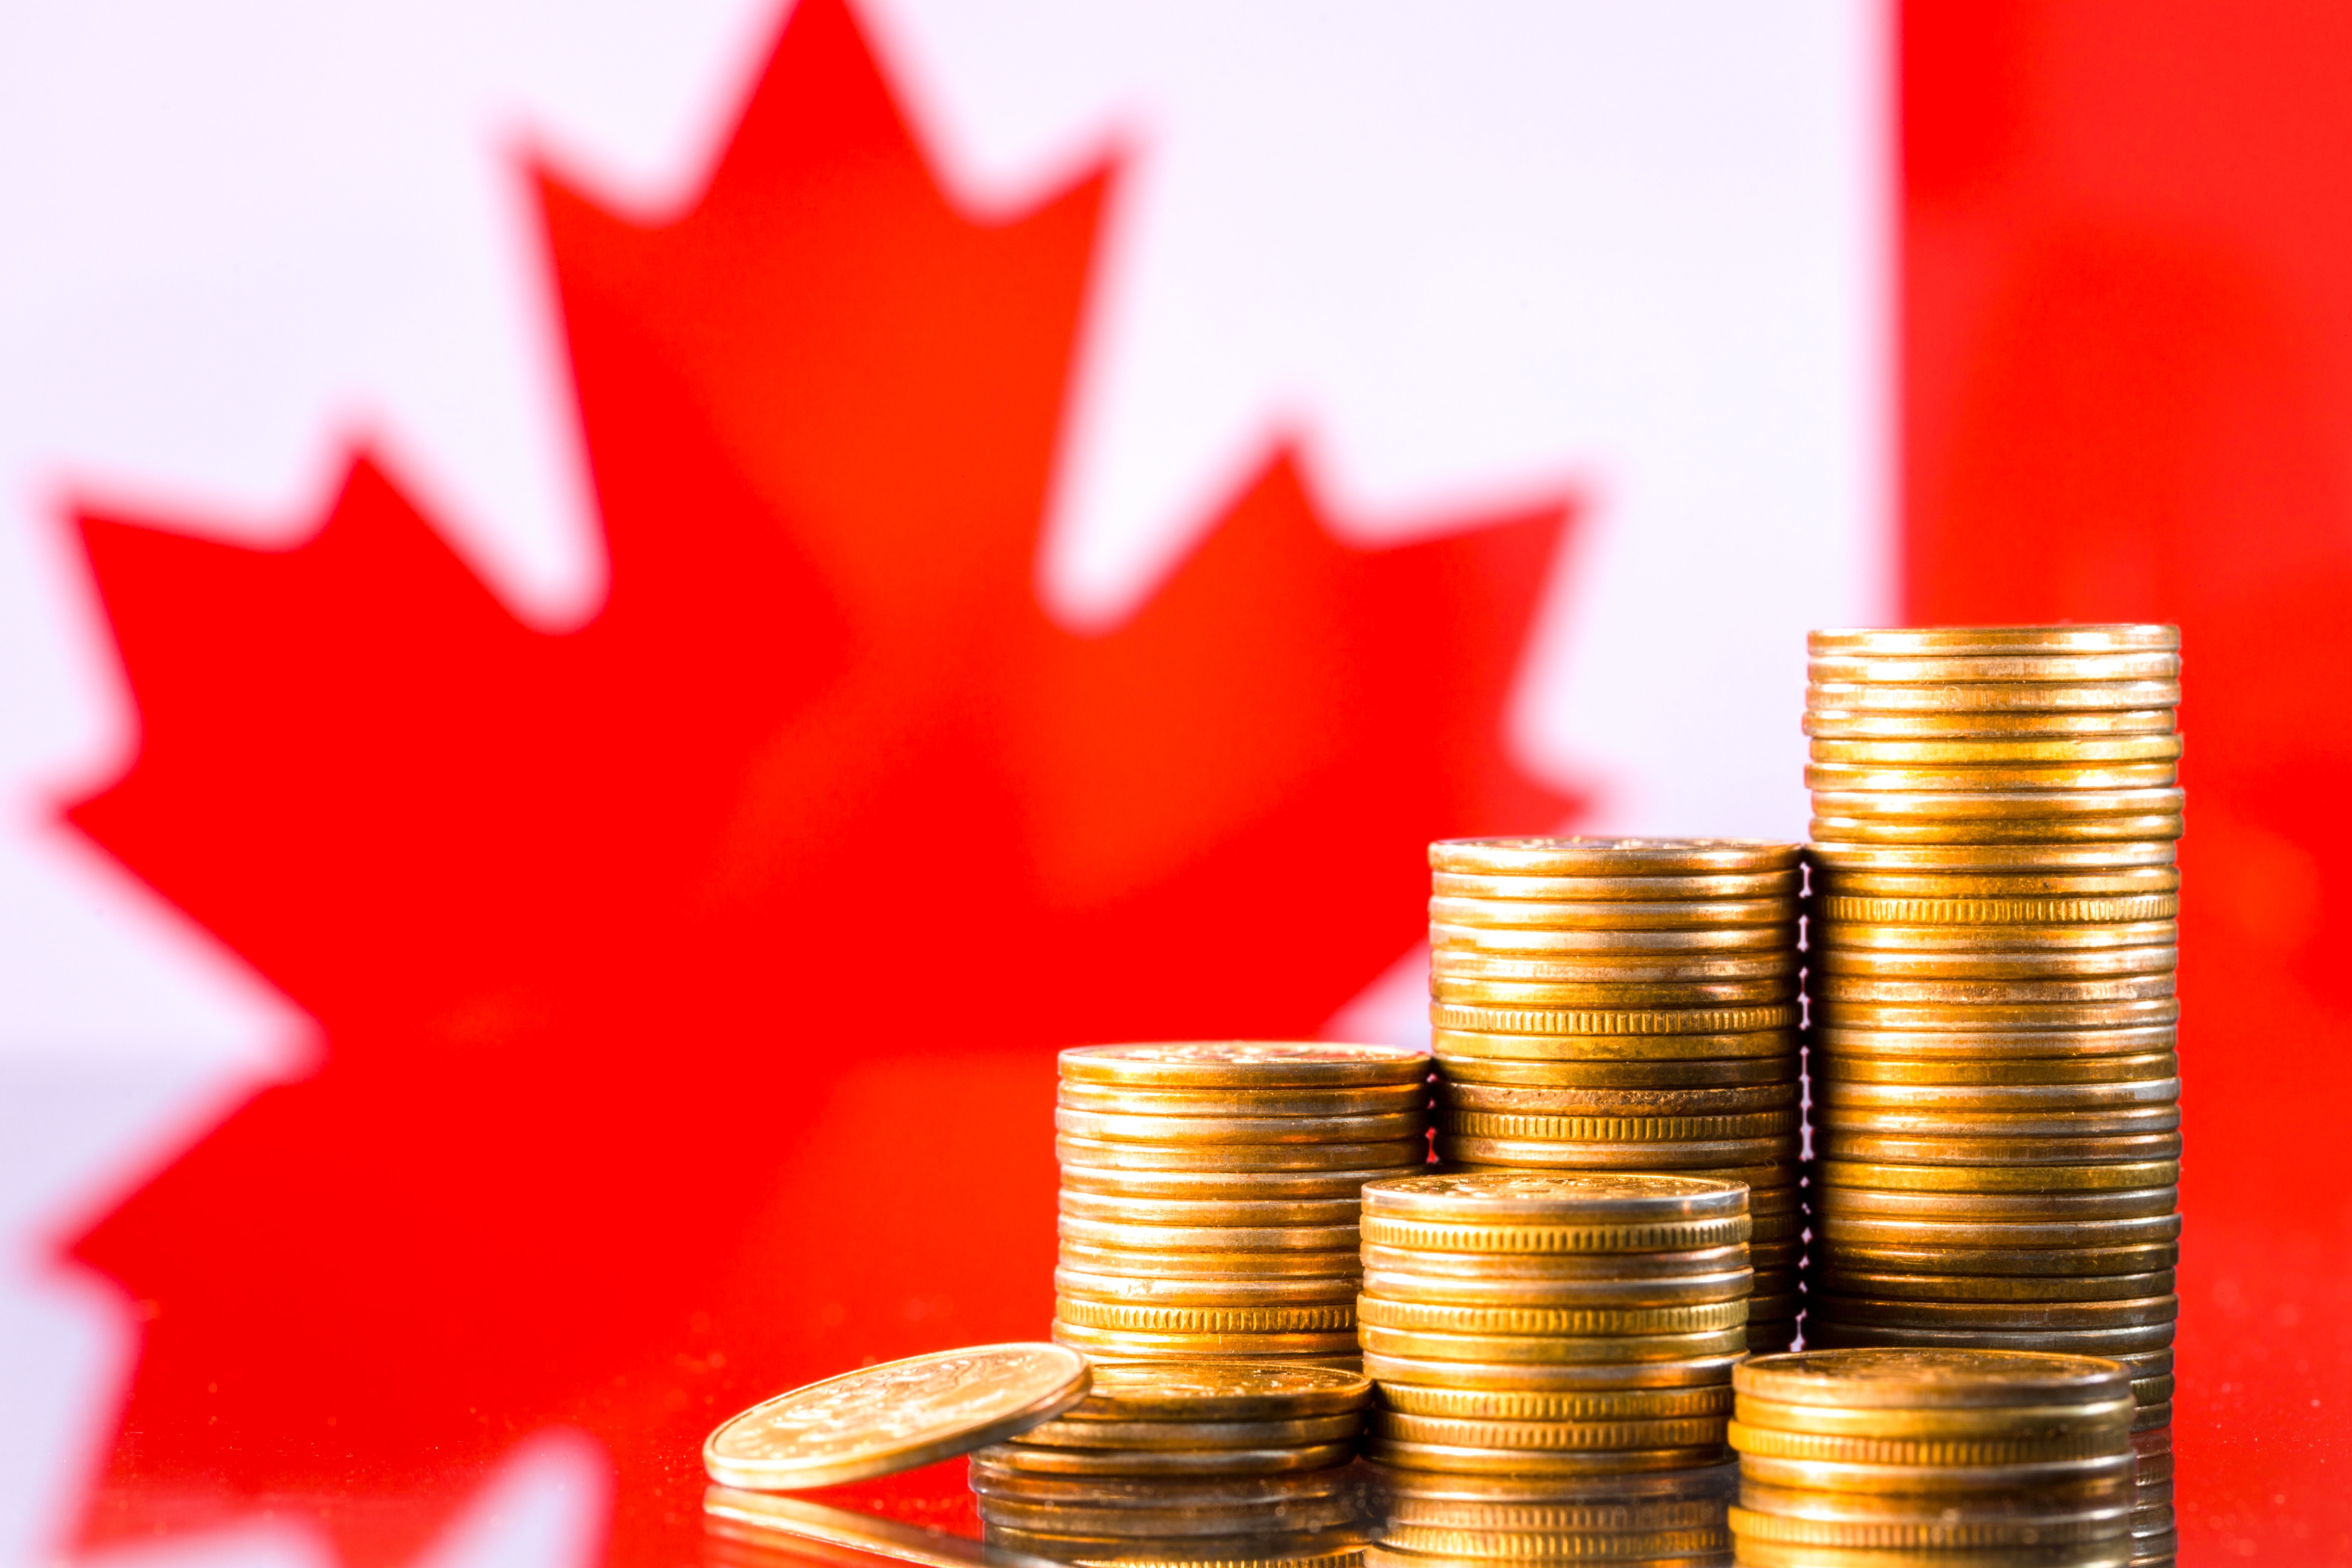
[(894, 1417), (1243, 1064), (1171, 1462)]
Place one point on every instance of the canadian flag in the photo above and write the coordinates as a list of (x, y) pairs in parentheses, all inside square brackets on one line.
[(616, 621)]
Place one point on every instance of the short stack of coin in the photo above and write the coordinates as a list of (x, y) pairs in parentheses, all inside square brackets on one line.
[(1552, 1324), (1427, 1519), (1170, 1461), (2154, 1540), (1626, 1004), (1915, 1454), (1996, 1096), (1208, 1192)]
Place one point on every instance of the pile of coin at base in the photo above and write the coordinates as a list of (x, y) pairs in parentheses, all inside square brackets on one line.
[(1912, 1457), (1167, 1461), (1626, 1004), (1666, 1519), (1552, 1324), (1208, 1202), (1996, 1096)]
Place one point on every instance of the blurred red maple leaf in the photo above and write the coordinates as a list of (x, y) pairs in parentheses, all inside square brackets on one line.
[(690, 980)]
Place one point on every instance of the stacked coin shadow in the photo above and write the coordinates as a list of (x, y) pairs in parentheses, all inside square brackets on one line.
[(1552, 1324), (1166, 1461), (1208, 1192), (1993, 944), (1890, 1457), (1626, 1004), (1423, 1518)]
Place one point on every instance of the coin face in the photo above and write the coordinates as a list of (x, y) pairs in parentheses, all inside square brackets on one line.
[(1923, 1378), (894, 1417), (1244, 1064)]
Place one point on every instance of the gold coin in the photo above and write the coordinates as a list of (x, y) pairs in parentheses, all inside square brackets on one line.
[(1988, 697), (1220, 1391), (1162, 1491), (1342, 1548), (1995, 1178), (1227, 1159), (1823, 1474), (1043, 1461), (1931, 1020), (1971, 914), (1612, 946), (1385, 1127), (2119, 1120), (1738, 1101), (1839, 988), (1838, 1230), (1777, 1072), (1153, 1436), (2002, 1098), (1998, 751), (1458, 1318), (1615, 915), (1250, 1186), (894, 1417), (1548, 1377), (1937, 1452), (1122, 1210), (2064, 1054), (1121, 1342), (1927, 1379), (1678, 1157), (1135, 1316), (2153, 1390), (2106, 1419), (1208, 1237), (1728, 1285), (1893, 1543), (1532, 1198), (1884, 1286), (1549, 1436), (1959, 938), (1830, 1144), (1613, 968), (1977, 1262), (1725, 1022), (1544, 1349), (2021, 831), (1699, 888), (2110, 1498), (1558, 1268), (2127, 1204), (1851, 725), (1931, 642), (1149, 1262), (1848, 1073), (1310, 1290), (1244, 1064), (1610, 857), (1525, 1462), (2124, 884), (2130, 1312), (1405, 1546), (1629, 1236), (1708, 1400), (2152, 1415), (1631, 998), (2073, 773), (1832, 1333), (1760, 1128), (1117, 1099), (2005, 669), (1839, 861), (2010, 964), (1456, 1045), (1180, 1522)]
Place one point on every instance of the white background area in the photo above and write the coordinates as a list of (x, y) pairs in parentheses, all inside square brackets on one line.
[(1463, 253)]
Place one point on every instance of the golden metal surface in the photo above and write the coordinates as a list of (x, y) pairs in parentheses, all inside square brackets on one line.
[(894, 1417), (1243, 1064)]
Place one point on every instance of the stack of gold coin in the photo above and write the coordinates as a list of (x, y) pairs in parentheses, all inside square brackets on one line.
[(1552, 1324), (1208, 1202), (1916, 1456), (2153, 1540), (1996, 1096), (1626, 1004), (1423, 1518), (1186, 1461)]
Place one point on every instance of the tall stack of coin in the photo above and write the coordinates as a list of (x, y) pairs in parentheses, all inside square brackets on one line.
[(1996, 1096), (1862, 1455), (1552, 1324), (1666, 1519), (1218, 1461), (1208, 1204), (1626, 1004)]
